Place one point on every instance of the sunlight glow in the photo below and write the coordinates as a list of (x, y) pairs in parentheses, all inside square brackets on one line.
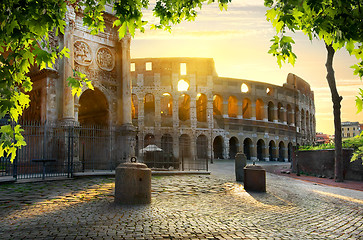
[(183, 85), (166, 94), (268, 90), (183, 69), (149, 66), (339, 196), (244, 88), (132, 67)]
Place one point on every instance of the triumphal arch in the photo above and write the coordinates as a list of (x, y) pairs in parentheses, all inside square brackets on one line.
[(105, 59)]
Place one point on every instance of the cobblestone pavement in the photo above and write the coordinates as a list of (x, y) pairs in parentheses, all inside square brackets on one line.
[(183, 207)]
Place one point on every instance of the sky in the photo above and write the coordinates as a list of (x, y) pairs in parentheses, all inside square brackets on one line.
[(238, 40)]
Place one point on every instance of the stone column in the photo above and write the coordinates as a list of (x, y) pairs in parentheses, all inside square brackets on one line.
[(176, 110), (298, 119), (124, 94), (157, 111), (226, 148), (286, 154), (275, 114), (141, 115), (265, 113), (193, 111), (67, 67), (253, 149), (225, 108), (292, 117), (240, 113), (210, 120), (284, 115), (253, 110), (266, 152)]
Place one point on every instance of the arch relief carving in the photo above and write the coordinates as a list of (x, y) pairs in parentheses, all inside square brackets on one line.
[(82, 53), (105, 59)]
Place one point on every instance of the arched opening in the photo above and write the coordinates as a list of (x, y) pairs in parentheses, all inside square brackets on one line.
[(166, 110), (168, 156), (167, 144), (289, 114), (281, 151), (244, 88), (260, 150), (184, 150), (217, 105), (270, 111), (202, 146), (34, 111), (247, 145), (246, 108), (149, 139), (166, 105), (184, 107), (259, 109), (134, 107), (93, 109), (149, 110), (280, 113), (272, 151), (290, 152), (232, 107), (218, 147), (233, 147), (270, 91), (183, 85), (201, 107)]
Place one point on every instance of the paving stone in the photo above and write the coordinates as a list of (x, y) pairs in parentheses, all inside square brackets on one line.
[(183, 207)]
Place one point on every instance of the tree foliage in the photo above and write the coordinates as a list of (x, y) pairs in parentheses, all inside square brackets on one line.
[(336, 22), (339, 23), (25, 29)]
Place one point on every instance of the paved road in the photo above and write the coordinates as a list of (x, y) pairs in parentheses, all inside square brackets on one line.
[(184, 207)]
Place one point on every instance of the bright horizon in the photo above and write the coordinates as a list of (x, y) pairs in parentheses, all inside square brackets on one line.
[(238, 40)]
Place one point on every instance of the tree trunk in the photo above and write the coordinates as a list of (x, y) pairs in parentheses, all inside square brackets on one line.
[(336, 107)]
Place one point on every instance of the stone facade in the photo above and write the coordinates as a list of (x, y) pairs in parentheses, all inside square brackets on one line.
[(216, 116), (105, 60)]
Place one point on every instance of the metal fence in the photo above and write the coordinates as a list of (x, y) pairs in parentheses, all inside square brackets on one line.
[(54, 150)]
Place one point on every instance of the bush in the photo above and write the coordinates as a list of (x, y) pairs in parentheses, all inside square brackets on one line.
[(355, 143)]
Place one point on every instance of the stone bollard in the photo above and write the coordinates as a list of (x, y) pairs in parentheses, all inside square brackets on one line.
[(254, 178), (239, 164), (133, 183)]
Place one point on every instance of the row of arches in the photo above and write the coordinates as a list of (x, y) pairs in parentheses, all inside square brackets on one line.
[(260, 150), (259, 110)]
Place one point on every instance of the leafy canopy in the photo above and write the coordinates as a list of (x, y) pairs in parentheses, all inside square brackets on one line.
[(337, 22), (26, 27)]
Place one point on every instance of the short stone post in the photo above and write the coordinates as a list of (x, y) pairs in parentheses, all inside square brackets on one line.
[(254, 178), (133, 183), (240, 163)]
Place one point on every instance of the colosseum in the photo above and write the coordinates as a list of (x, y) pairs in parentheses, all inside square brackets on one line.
[(183, 107)]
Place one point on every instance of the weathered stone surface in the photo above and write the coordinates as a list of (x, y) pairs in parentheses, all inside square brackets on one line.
[(240, 163), (133, 184), (254, 178), (216, 207)]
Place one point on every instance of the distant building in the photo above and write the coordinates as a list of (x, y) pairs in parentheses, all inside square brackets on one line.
[(322, 138), (350, 129)]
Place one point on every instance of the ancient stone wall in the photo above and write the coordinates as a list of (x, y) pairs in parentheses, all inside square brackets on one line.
[(260, 119)]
